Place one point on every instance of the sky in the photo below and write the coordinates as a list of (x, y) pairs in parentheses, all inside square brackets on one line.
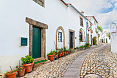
[(105, 11)]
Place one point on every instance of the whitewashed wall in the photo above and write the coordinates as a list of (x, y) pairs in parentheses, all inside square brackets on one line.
[(73, 23), (13, 25)]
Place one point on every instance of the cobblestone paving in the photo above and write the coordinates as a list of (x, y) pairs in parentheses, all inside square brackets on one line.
[(57, 68), (101, 62)]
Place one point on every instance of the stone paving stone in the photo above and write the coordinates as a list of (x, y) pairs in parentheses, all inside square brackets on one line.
[(78, 62), (101, 62), (57, 68)]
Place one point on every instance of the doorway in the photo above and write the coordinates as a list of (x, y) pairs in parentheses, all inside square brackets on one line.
[(36, 42), (88, 37), (71, 39), (91, 39)]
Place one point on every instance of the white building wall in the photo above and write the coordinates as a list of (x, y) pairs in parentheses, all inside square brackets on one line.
[(13, 26)]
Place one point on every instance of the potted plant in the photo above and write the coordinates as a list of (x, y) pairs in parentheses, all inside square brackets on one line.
[(61, 50), (21, 70), (11, 74), (56, 55), (90, 45), (81, 47), (50, 56), (28, 62), (69, 51), (60, 54), (65, 50)]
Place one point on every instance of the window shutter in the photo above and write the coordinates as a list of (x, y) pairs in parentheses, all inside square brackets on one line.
[(58, 36), (61, 36)]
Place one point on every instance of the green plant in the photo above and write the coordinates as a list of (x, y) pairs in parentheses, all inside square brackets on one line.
[(94, 41), (61, 49), (27, 59), (81, 47), (107, 34), (90, 44), (87, 44), (76, 47), (64, 49), (99, 28), (51, 53), (10, 72)]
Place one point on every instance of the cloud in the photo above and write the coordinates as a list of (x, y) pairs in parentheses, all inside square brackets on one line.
[(104, 10)]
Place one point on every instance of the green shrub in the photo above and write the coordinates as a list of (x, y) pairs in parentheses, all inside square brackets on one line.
[(90, 44), (76, 47), (27, 59), (51, 53), (94, 41), (86, 45), (61, 49), (81, 47), (64, 49)]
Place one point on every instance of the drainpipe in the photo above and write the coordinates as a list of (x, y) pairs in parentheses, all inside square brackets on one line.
[(86, 30)]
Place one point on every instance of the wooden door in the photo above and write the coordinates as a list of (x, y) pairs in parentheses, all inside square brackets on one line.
[(36, 43), (88, 38), (91, 39), (71, 40)]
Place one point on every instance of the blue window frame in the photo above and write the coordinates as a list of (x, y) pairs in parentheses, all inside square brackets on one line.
[(60, 36), (81, 21)]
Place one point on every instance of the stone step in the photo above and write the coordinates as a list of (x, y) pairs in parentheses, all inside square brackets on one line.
[(39, 59), (40, 64)]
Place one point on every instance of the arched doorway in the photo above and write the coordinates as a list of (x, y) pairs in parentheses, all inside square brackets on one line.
[(59, 36)]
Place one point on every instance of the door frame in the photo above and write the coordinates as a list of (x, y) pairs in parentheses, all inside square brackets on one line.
[(43, 27), (60, 27), (72, 39)]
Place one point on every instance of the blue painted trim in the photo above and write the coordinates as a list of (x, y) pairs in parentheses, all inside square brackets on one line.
[(86, 32), (78, 11)]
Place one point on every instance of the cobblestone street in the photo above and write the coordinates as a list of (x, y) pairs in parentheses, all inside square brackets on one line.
[(96, 60)]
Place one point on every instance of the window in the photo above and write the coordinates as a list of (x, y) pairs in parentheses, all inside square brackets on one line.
[(60, 36), (81, 36), (81, 21), (40, 2)]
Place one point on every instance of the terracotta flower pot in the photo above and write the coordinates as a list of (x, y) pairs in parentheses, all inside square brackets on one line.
[(62, 53), (50, 57), (69, 52), (21, 72), (28, 67), (65, 52), (11, 75)]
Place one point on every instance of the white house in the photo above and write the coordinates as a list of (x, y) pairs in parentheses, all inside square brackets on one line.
[(104, 38), (35, 27), (94, 28)]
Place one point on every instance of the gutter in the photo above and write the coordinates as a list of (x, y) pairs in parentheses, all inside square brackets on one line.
[(77, 11)]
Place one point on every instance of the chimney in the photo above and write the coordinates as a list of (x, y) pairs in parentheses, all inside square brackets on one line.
[(82, 12)]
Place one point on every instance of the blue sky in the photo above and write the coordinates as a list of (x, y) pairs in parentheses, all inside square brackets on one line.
[(107, 10), (104, 10)]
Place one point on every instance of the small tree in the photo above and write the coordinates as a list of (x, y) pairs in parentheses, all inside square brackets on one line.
[(99, 28), (107, 34), (94, 41)]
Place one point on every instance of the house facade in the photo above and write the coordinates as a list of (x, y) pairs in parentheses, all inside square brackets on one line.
[(94, 32), (104, 38), (35, 27)]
